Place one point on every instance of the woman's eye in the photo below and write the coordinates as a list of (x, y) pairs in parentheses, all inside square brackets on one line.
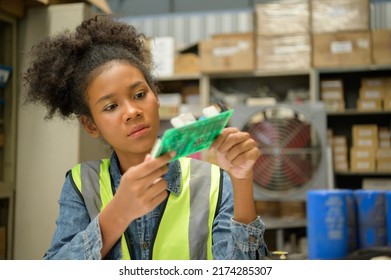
[(110, 107), (139, 95)]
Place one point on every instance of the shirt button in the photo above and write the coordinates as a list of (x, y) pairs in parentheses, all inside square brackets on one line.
[(144, 245), (252, 239)]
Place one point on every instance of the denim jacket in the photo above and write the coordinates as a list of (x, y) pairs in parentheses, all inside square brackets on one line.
[(77, 237)]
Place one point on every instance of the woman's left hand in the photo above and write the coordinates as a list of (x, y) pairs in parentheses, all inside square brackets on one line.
[(235, 152)]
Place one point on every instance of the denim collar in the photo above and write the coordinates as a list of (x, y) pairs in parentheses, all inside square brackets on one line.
[(173, 176)]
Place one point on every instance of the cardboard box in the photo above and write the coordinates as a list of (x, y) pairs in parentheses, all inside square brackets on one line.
[(383, 153), (334, 84), (374, 82), (340, 140), (334, 105), (342, 49), (341, 166), (187, 63), (285, 52), (332, 94), (381, 46), (362, 159), (228, 53), (369, 105), (339, 15), (365, 131), (372, 92), (383, 165), (387, 104), (282, 17)]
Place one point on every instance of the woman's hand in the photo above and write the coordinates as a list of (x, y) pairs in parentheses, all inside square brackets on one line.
[(142, 187), (235, 152)]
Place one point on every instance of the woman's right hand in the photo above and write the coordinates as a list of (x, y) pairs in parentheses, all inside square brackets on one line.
[(142, 187)]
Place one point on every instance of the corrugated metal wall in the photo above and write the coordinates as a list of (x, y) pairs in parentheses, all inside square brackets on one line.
[(189, 28), (380, 15)]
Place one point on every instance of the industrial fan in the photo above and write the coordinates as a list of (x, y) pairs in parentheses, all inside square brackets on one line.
[(292, 142)]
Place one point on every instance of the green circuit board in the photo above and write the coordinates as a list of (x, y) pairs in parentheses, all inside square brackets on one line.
[(191, 138)]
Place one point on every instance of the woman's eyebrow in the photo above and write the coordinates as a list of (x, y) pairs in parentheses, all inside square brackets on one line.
[(110, 95)]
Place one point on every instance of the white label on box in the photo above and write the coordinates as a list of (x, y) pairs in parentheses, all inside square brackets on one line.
[(331, 84), (365, 133), (231, 50), (365, 143), (363, 154), (372, 94), (368, 105), (331, 95), (363, 43), (363, 165), (341, 47)]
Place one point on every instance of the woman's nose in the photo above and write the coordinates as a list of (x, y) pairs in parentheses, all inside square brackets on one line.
[(131, 111)]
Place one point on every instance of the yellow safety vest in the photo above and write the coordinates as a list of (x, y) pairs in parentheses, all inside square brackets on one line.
[(185, 230)]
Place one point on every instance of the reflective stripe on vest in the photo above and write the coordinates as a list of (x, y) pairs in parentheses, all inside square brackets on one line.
[(191, 225)]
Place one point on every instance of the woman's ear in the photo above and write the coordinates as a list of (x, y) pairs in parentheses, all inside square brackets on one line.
[(89, 126)]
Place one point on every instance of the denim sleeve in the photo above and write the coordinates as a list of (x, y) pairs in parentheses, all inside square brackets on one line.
[(76, 237), (233, 240)]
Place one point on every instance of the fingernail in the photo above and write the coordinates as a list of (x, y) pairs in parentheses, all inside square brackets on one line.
[(172, 154)]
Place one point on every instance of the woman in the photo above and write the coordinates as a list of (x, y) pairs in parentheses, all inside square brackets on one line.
[(133, 206)]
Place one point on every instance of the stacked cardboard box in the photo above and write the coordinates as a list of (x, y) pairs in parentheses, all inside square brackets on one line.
[(375, 94), (341, 35), (228, 53), (384, 137), (365, 144), (332, 95), (340, 153), (381, 46), (283, 35), (383, 156)]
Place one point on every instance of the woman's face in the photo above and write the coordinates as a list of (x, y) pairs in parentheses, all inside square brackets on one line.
[(124, 109)]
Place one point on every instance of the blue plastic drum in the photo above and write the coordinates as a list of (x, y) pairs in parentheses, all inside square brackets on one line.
[(331, 224), (388, 215), (371, 218)]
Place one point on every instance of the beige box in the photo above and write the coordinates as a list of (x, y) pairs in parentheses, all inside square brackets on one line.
[(384, 143), (228, 53), (282, 17), (341, 166), (340, 140), (332, 94), (367, 105), (339, 15), (365, 131), (334, 105), (331, 84), (187, 63), (387, 104), (342, 49), (381, 50), (374, 82), (372, 92), (383, 153), (285, 52), (362, 159), (383, 165)]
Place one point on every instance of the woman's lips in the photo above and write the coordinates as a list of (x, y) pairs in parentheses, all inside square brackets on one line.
[(138, 130)]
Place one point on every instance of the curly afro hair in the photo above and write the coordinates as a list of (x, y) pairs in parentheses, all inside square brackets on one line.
[(63, 65)]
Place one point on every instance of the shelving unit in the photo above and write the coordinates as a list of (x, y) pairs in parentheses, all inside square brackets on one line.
[(342, 122), (8, 129)]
